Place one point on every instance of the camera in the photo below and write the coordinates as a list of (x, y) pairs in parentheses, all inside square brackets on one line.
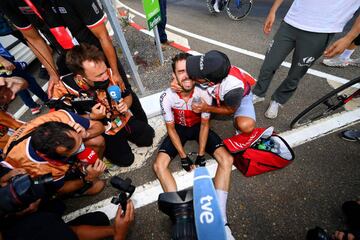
[(179, 207), (22, 191), (317, 233), (79, 104), (126, 191)]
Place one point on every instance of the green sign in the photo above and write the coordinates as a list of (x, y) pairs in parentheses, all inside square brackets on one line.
[(152, 11)]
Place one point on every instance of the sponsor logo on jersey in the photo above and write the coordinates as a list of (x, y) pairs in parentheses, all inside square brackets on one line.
[(306, 61), (62, 10), (96, 9), (26, 10)]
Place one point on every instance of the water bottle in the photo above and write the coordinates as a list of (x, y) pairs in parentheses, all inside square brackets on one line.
[(196, 100)]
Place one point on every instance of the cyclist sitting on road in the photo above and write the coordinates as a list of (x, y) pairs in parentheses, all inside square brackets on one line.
[(229, 86), (183, 124)]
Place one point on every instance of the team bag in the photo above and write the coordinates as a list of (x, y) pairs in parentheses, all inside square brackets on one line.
[(259, 152)]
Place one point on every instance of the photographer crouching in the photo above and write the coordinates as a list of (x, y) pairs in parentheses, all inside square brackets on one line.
[(52, 144), (26, 213)]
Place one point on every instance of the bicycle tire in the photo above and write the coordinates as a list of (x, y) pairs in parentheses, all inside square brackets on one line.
[(209, 5), (237, 13), (306, 117)]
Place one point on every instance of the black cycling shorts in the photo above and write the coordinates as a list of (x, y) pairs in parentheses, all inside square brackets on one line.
[(190, 133)]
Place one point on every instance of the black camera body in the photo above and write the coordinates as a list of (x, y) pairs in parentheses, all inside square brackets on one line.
[(79, 104), (126, 191), (22, 191)]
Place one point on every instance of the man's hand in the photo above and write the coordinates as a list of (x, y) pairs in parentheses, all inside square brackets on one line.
[(340, 236), (123, 222), (199, 107), (269, 23), (187, 164), (337, 47), (13, 85), (98, 111), (175, 86), (5, 179), (122, 107), (54, 81), (118, 80), (79, 129), (33, 207), (95, 170), (6, 64)]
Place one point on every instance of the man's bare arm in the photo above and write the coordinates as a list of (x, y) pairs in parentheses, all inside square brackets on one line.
[(340, 45), (203, 135), (41, 50), (175, 139)]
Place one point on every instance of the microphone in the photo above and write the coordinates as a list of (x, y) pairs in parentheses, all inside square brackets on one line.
[(114, 92), (87, 157)]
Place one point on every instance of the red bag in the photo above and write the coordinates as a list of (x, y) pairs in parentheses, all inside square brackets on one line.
[(260, 151)]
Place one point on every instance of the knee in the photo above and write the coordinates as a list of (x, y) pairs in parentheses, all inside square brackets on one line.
[(226, 161), (245, 124), (98, 142), (159, 166), (123, 160), (147, 138), (127, 160), (97, 187)]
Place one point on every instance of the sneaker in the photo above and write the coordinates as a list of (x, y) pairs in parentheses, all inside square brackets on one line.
[(273, 110), (351, 135), (336, 62), (257, 99), (229, 235), (354, 62), (110, 166), (36, 110), (43, 74)]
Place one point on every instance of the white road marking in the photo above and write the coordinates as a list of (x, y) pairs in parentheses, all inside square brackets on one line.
[(241, 50), (149, 192)]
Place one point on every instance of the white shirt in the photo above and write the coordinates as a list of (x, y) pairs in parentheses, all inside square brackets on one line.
[(175, 109), (321, 16)]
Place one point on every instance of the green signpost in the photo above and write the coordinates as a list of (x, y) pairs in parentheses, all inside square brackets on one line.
[(152, 11)]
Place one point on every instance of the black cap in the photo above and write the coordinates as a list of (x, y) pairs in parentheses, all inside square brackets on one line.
[(213, 65)]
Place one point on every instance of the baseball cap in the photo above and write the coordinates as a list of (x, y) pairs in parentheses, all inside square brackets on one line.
[(213, 66)]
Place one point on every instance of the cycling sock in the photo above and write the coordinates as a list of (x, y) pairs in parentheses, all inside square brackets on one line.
[(222, 198), (346, 54)]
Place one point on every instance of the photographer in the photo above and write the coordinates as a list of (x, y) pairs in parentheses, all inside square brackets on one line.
[(91, 79), (42, 222), (50, 143)]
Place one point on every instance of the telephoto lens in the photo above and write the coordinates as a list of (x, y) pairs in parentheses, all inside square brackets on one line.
[(179, 207)]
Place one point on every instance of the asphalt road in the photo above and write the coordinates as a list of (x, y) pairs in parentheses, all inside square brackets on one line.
[(276, 205)]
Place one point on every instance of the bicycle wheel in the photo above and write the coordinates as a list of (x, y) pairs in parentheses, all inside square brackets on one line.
[(329, 104), (238, 9), (210, 4)]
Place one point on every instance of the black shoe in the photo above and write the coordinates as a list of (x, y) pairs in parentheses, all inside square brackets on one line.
[(351, 135), (43, 74)]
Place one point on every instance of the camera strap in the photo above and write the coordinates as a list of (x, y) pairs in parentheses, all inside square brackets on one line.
[(15, 142)]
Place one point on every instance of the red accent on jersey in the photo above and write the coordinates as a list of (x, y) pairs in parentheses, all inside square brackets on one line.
[(186, 117)]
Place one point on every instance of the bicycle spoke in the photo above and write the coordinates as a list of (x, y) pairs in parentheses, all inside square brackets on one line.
[(238, 9)]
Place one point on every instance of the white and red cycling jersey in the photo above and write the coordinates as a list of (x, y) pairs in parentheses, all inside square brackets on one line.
[(175, 109), (237, 78)]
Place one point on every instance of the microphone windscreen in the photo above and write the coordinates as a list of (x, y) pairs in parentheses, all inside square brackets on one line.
[(114, 92), (88, 156)]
